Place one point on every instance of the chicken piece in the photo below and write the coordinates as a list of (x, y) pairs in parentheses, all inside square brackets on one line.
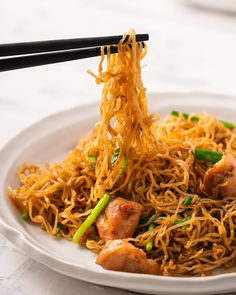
[(120, 255), (220, 180), (119, 220)]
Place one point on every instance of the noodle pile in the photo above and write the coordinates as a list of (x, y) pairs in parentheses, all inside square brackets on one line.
[(154, 165)]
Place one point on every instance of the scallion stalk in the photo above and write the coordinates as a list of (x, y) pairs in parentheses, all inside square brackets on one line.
[(188, 201), (125, 164), (228, 125), (160, 218), (115, 156), (92, 156), (59, 227), (186, 219), (25, 216), (208, 156), (149, 244), (91, 218), (181, 220)]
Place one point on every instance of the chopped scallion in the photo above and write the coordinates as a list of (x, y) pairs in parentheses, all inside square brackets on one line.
[(186, 225), (181, 220), (125, 164), (208, 156), (188, 201), (178, 221), (59, 227), (159, 218), (91, 218), (93, 164), (115, 156), (228, 125), (92, 156), (149, 244), (25, 216)]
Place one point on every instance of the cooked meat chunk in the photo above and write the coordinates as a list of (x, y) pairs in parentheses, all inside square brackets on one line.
[(220, 180), (120, 255), (119, 220)]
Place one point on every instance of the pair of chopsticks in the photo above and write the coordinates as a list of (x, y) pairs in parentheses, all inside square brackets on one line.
[(42, 52)]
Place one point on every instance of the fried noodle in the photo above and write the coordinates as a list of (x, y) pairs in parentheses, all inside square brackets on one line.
[(155, 167)]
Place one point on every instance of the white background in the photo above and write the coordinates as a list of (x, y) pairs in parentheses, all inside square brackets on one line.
[(190, 49)]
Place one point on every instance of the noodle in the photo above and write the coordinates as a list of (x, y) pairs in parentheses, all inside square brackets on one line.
[(155, 166)]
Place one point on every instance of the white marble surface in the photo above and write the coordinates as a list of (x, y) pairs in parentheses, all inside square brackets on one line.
[(189, 49)]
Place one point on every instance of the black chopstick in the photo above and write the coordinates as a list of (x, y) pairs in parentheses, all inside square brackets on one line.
[(50, 57), (66, 44), (15, 63)]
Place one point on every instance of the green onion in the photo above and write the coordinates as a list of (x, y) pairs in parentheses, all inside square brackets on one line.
[(178, 221), (186, 219), (145, 219), (115, 156), (208, 156), (93, 164), (188, 201), (92, 156), (195, 119), (186, 116), (125, 164), (181, 220), (59, 227), (91, 218), (228, 125), (25, 216), (159, 218), (152, 225), (149, 244)]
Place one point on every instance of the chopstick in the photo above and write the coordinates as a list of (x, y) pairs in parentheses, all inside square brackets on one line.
[(56, 45), (15, 63), (32, 60)]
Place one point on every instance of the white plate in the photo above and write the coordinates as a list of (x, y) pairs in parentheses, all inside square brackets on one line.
[(217, 5), (50, 140)]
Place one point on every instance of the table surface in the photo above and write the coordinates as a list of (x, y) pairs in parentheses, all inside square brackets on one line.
[(190, 49)]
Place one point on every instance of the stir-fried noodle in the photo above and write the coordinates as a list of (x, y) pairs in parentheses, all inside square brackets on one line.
[(133, 155)]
